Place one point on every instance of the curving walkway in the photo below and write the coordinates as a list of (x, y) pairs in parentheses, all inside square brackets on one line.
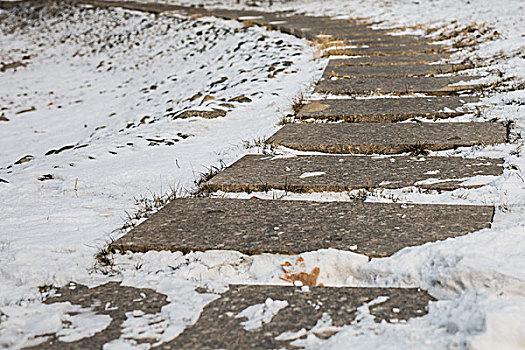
[(387, 65)]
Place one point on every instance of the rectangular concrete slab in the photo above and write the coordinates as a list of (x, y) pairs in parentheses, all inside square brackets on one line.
[(396, 85), (292, 227), (376, 138), (340, 173), (385, 50), (387, 60), (136, 6), (111, 299), (388, 40), (349, 34), (385, 110), (406, 70), (222, 325)]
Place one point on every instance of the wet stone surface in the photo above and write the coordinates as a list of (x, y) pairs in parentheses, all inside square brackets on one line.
[(375, 138), (290, 227), (110, 299), (385, 110), (219, 326), (396, 85), (339, 173), (408, 70)]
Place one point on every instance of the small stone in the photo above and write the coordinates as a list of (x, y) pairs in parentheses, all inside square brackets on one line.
[(32, 109), (214, 113), (25, 159), (241, 99), (46, 177), (207, 98), (196, 96)]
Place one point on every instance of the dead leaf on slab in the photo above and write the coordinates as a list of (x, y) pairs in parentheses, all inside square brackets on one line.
[(293, 274)]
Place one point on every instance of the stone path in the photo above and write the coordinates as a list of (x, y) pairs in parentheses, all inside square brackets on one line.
[(321, 311), (386, 60), (220, 327), (405, 70), (384, 110), (341, 173), (387, 138), (397, 86), (391, 65), (292, 227)]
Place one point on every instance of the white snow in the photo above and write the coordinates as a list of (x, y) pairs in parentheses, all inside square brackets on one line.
[(309, 338), (311, 174), (258, 314), (31, 323)]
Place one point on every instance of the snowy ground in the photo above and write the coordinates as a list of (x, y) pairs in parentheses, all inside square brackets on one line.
[(109, 82)]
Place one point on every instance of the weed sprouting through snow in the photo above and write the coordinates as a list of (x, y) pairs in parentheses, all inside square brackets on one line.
[(46, 290), (262, 145), (104, 262), (418, 149), (298, 102), (147, 206), (200, 189)]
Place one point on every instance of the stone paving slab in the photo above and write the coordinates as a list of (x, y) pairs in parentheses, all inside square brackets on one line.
[(293, 227), (376, 138), (340, 173), (406, 70), (110, 299), (135, 6), (220, 327), (385, 110), (385, 50), (346, 34), (387, 60), (396, 85), (388, 40), (6, 5)]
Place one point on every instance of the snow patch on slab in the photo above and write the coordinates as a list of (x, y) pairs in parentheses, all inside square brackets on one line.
[(259, 314), (312, 174)]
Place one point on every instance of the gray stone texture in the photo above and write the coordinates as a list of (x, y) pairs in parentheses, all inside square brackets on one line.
[(139, 6), (387, 60), (385, 110), (110, 299), (396, 85), (341, 173), (391, 138), (388, 40), (385, 50), (255, 226), (218, 328), (406, 70)]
